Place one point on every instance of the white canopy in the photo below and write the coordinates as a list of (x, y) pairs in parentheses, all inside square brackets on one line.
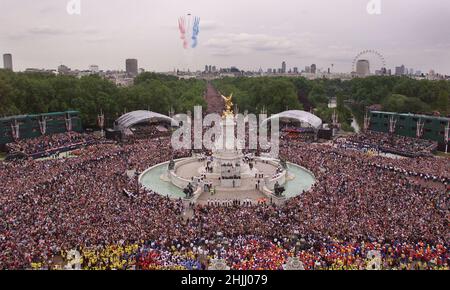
[(300, 116), (132, 118)]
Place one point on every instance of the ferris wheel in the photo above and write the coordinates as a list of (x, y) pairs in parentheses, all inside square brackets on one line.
[(372, 55)]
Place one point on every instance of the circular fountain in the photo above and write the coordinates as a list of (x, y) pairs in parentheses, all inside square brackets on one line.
[(227, 174), (156, 178)]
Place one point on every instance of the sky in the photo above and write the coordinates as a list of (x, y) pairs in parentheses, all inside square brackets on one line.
[(249, 34)]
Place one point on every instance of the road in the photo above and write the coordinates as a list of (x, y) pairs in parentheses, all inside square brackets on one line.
[(214, 100)]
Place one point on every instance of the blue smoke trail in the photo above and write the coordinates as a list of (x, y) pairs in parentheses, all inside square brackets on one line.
[(195, 31)]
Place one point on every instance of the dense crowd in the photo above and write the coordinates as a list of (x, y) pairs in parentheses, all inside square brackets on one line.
[(50, 143), (390, 143), (358, 204), (150, 131)]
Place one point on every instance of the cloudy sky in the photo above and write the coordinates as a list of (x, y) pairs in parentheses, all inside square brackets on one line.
[(246, 33)]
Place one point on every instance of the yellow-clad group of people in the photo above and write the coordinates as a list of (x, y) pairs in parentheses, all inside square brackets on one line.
[(119, 257)]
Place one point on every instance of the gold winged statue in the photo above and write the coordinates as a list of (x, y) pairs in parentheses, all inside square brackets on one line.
[(228, 106)]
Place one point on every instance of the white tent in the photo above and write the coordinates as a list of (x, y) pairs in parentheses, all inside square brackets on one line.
[(297, 115), (132, 118)]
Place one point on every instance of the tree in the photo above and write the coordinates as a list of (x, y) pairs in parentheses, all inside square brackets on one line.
[(414, 105), (317, 96), (395, 103)]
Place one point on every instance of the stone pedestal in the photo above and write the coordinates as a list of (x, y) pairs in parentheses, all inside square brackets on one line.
[(227, 158), (293, 263), (218, 265)]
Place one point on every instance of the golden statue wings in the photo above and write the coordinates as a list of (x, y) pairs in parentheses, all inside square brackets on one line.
[(228, 105), (228, 100)]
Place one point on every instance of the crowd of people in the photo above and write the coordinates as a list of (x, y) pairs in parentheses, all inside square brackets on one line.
[(384, 142), (358, 204), (150, 131), (51, 143)]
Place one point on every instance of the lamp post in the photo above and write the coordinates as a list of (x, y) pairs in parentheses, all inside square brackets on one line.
[(219, 241), (447, 131), (136, 175), (219, 264), (294, 263), (366, 122), (101, 123), (226, 245), (295, 242)]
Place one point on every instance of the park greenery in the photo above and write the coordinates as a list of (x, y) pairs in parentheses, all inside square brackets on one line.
[(353, 97), (26, 93)]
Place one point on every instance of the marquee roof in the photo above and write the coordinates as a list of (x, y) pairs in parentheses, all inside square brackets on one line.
[(297, 115), (132, 118)]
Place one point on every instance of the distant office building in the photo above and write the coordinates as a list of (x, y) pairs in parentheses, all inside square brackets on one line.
[(94, 69), (307, 69), (7, 61), (283, 67), (210, 69), (313, 68), (63, 70), (131, 67), (400, 70), (363, 68), (269, 70), (296, 70), (381, 72)]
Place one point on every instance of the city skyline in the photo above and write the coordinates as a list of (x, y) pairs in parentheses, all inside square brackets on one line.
[(300, 33), (132, 69)]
